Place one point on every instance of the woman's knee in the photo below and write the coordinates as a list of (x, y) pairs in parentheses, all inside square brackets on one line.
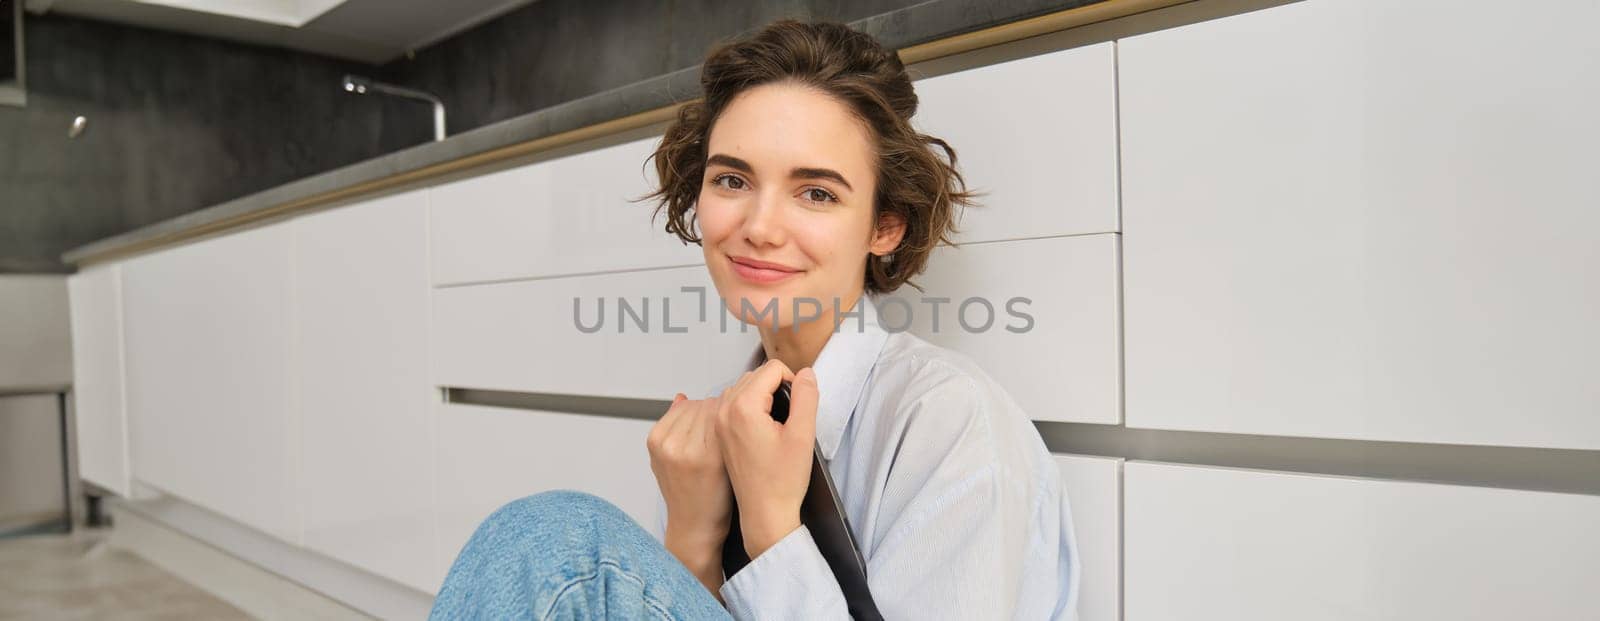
[(532, 548), (551, 503), (565, 513)]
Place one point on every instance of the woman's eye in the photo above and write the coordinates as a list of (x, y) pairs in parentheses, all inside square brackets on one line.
[(820, 195), (732, 180)]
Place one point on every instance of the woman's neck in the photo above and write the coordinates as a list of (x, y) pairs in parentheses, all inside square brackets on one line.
[(799, 343)]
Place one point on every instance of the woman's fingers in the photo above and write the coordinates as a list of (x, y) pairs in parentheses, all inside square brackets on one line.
[(755, 394), (771, 373), (768, 463), (803, 405), (664, 428), (706, 426), (687, 431)]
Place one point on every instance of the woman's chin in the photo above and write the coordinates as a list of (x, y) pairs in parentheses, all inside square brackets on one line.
[(759, 309)]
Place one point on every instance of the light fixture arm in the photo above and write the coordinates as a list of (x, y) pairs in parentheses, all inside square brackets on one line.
[(361, 86)]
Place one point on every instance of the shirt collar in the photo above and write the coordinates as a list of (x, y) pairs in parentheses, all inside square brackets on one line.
[(842, 369)]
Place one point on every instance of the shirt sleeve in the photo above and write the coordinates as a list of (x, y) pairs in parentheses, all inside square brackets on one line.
[(790, 580), (955, 537), (959, 553), (968, 521)]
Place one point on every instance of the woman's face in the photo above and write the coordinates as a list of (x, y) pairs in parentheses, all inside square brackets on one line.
[(786, 206)]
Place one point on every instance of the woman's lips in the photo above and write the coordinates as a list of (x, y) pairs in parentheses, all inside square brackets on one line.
[(761, 272)]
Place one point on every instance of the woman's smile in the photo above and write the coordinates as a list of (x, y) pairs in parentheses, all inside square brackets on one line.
[(762, 272)]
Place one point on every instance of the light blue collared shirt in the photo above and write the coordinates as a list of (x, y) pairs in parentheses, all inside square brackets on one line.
[(955, 501)]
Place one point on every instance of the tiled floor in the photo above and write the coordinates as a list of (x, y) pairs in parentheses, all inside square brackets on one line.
[(78, 577)]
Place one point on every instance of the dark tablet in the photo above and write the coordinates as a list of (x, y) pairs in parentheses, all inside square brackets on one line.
[(822, 514)]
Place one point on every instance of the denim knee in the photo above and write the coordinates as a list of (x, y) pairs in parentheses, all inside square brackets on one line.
[(556, 505), (560, 515), (569, 554)]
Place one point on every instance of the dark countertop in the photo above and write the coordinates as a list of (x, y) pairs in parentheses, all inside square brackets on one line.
[(922, 23)]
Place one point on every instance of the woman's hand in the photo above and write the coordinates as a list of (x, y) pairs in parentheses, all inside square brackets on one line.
[(687, 461), (769, 463)]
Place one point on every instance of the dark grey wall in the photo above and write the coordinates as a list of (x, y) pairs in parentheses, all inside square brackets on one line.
[(176, 123), (553, 51)]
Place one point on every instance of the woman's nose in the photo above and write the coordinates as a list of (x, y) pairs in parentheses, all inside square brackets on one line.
[(763, 225)]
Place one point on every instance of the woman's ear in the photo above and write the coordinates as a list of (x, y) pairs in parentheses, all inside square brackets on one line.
[(886, 237)]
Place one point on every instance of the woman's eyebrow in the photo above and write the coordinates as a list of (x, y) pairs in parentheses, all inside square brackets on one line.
[(798, 173)]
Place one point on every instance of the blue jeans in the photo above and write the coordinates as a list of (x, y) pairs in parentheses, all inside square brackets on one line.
[(569, 555)]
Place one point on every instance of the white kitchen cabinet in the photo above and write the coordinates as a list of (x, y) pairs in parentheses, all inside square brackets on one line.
[(1094, 490), (1038, 315), (1038, 134), (1365, 219), (490, 456), (360, 367), (532, 336), (1203, 543), (210, 391), (568, 215), (97, 386)]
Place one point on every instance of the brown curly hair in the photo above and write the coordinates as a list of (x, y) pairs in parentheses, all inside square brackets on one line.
[(913, 182)]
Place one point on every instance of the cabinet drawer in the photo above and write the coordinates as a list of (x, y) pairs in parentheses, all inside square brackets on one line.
[(1062, 363), (1038, 134), (524, 336), (490, 456), (1365, 219), (569, 215), (1215, 543)]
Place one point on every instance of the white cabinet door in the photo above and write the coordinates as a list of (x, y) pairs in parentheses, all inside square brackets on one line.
[(1094, 490), (490, 456), (607, 335), (1038, 134), (209, 385), (361, 312), (1365, 219), (569, 215), (1038, 315), (97, 385), (1216, 543)]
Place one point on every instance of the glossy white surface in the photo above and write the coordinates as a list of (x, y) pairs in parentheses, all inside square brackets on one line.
[(1062, 367), (569, 215), (1094, 489), (360, 363), (490, 456), (1214, 543), (210, 388), (1365, 219), (523, 336), (1038, 134), (97, 385)]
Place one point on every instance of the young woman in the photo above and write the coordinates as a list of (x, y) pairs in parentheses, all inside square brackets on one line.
[(801, 177)]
